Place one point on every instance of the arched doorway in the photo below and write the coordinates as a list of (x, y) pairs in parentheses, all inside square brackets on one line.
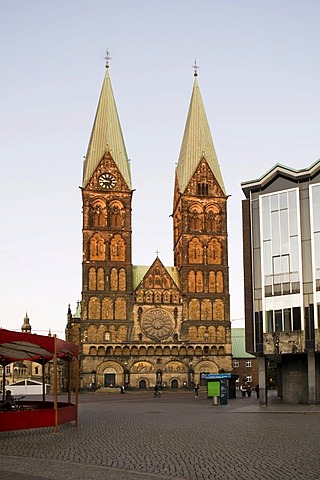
[(142, 385), (174, 384), (109, 377)]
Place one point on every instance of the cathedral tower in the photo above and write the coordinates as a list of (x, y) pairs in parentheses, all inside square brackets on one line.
[(139, 325)]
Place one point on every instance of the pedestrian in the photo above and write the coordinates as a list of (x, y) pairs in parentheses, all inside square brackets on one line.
[(9, 400), (196, 390), (243, 390), (156, 391), (249, 391), (257, 390), (122, 390)]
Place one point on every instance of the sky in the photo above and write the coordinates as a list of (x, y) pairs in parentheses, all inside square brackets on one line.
[(259, 76)]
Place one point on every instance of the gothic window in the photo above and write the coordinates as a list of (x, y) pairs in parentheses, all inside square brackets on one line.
[(120, 309), (139, 296), (107, 336), (191, 281), (212, 282), (166, 297), (199, 281), (192, 334), (116, 215), (212, 333), (214, 252), (157, 297), (122, 280), (114, 279), (117, 249), (202, 188), (122, 333), (92, 279), (218, 310), (206, 309), (219, 282), (107, 309), (101, 333), (94, 308), (97, 214), (175, 297), (221, 334), (100, 278), (195, 250), (194, 309), (149, 296), (92, 333), (97, 247)]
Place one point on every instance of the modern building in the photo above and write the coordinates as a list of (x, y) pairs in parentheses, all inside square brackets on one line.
[(144, 325), (281, 245)]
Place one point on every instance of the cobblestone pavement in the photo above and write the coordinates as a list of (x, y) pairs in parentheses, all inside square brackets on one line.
[(138, 437)]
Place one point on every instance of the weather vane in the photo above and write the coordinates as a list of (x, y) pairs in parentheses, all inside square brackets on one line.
[(195, 67), (107, 58)]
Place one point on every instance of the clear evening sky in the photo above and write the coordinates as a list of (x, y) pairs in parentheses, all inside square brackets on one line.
[(259, 77)]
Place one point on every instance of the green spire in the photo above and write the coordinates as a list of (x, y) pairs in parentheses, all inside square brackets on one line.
[(106, 136), (197, 143)]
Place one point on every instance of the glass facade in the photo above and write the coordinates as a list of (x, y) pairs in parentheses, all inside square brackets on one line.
[(281, 272), (315, 245), (280, 243)]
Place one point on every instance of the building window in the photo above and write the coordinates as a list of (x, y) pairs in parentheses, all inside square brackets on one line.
[(280, 243), (248, 364), (249, 378), (235, 363)]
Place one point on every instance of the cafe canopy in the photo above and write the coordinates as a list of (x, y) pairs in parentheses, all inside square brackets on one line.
[(20, 346)]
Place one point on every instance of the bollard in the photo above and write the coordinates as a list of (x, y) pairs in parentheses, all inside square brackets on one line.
[(215, 400)]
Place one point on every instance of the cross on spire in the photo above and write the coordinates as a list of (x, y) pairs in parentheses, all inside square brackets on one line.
[(107, 58), (196, 68), (157, 253)]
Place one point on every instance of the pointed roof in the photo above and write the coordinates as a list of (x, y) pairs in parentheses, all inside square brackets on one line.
[(106, 136), (197, 143)]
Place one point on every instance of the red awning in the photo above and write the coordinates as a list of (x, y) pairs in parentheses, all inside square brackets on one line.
[(15, 346)]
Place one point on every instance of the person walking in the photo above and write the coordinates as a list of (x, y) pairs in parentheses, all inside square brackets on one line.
[(257, 390), (196, 391)]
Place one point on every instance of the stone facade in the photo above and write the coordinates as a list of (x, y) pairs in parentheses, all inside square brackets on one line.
[(140, 326)]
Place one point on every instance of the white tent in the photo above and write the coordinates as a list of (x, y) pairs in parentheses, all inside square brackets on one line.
[(26, 387)]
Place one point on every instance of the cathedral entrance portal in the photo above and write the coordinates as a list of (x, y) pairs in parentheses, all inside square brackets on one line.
[(142, 385), (109, 380), (174, 384)]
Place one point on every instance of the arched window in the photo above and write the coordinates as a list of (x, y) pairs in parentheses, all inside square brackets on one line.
[(199, 281), (122, 280), (206, 309), (195, 251), (212, 282), (92, 279), (114, 279), (214, 252), (97, 247), (94, 308), (120, 309), (116, 214), (97, 214), (218, 310), (219, 282), (100, 278), (191, 281), (117, 249), (194, 309), (107, 309)]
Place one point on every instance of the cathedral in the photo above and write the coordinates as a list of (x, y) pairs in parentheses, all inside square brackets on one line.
[(141, 326)]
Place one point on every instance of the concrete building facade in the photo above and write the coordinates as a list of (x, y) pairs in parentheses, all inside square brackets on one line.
[(281, 245)]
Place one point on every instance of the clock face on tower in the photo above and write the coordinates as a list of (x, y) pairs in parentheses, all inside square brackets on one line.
[(106, 180)]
